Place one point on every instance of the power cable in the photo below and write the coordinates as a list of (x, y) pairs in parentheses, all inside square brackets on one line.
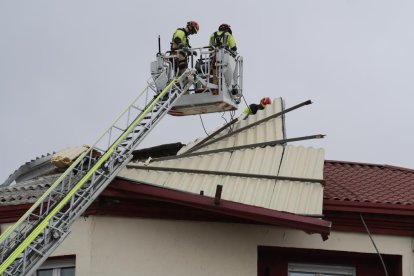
[(202, 123), (224, 118), (244, 99), (372, 240), (232, 115)]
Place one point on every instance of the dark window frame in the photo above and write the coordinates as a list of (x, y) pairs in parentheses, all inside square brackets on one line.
[(272, 261), (57, 263)]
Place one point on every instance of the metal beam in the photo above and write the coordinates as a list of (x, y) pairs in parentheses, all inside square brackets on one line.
[(223, 173), (248, 126), (256, 145), (199, 144)]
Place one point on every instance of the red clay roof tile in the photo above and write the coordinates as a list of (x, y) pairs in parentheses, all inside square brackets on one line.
[(360, 182)]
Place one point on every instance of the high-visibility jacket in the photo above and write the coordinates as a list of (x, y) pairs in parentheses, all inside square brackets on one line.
[(219, 38), (253, 108), (180, 38)]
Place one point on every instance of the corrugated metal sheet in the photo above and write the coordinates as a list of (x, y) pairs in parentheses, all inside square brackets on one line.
[(298, 197), (290, 196), (267, 131), (34, 168), (27, 192)]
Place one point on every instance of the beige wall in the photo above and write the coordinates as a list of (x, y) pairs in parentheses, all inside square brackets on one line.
[(79, 243), (122, 246)]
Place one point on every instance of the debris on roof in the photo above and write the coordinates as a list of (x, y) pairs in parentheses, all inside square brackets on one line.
[(250, 160), (273, 176), (64, 158), (250, 132), (32, 169), (157, 151)]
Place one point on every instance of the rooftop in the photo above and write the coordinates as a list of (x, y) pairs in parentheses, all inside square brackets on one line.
[(370, 183), (264, 180)]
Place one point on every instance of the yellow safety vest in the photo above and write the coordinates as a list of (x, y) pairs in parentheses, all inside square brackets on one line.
[(217, 39), (181, 34)]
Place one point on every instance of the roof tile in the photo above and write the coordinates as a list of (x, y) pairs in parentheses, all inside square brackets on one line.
[(360, 182)]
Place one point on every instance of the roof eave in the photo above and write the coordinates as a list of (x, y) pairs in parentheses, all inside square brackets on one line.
[(367, 207), (125, 188)]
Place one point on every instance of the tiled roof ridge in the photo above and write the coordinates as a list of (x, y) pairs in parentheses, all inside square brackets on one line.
[(30, 184), (19, 170), (37, 158), (370, 165)]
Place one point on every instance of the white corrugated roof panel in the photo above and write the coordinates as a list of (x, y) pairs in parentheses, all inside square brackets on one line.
[(250, 175), (268, 131)]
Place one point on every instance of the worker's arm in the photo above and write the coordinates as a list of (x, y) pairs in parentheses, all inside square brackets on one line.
[(211, 40), (252, 109), (248, 110), (180, 39), (232, 43)]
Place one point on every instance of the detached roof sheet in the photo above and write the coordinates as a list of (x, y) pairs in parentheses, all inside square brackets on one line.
[(250, 176), (268, 131)]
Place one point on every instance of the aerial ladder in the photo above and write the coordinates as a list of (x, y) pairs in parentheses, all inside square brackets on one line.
[(25, 245)]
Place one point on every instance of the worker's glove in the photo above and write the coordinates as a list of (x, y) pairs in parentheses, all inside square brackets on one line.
[(187, 51)]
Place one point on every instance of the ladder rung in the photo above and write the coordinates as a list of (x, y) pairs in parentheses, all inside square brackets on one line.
[(119, 128), (136, 107), (87, 179)]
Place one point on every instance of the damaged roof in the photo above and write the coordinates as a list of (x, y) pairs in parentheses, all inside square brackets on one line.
[(251, 170), (262, 179), (344, 182), (279, 178), (32, 169)]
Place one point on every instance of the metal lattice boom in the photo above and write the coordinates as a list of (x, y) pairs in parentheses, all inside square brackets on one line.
[(25, 245)]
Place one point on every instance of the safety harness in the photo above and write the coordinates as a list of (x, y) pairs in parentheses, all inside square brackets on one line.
[(219, 39)]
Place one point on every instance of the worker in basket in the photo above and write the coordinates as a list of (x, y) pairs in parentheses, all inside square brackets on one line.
[(180, 41), (222, 38), (253, 108)]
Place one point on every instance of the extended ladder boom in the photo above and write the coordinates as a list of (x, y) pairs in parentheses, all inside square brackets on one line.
[(26, 244)]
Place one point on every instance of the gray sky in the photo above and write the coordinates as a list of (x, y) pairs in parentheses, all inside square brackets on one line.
[(67, 68)]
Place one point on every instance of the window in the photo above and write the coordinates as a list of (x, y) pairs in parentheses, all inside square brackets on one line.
[(319, 270), (57, 266), (57, 271), (285, 261)]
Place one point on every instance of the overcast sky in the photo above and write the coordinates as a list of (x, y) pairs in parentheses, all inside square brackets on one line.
[(67, 68)]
